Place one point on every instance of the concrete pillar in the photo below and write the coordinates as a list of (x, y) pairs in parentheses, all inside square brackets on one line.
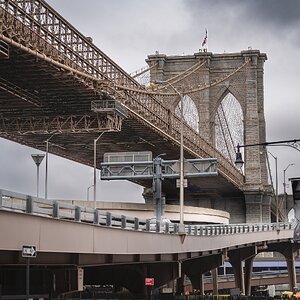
[(236, 258), (201, 284), (214, 273), (237, 266), (290, 260), (197, 282), (248, 275)]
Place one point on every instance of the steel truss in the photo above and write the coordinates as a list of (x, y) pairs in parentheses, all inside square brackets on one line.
[(62, 124), (36, 29)]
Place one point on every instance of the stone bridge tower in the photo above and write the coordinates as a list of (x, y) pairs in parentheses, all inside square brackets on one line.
[(207, 79)]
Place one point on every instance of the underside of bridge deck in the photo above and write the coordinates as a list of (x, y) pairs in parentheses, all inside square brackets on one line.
[(39, 101)]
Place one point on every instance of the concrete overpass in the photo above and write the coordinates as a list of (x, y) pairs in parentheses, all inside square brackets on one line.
[(122, 250)]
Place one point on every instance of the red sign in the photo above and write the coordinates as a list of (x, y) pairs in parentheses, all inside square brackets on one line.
[(149, 281)]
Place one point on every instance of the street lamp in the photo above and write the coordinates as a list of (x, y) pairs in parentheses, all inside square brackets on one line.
[(289, 143), (181, 174), (276, 187), (284, 184), (37, 158)]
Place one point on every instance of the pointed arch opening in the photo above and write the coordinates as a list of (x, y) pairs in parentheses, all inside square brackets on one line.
[(229, 126), (190, 112)]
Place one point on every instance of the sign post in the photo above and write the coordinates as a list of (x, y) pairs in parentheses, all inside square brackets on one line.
[(28, 252), (149, 283)]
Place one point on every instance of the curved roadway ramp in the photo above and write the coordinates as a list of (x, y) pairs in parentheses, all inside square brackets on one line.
[(119, 250)]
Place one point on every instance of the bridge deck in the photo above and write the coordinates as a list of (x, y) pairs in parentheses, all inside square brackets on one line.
[(65, 238)]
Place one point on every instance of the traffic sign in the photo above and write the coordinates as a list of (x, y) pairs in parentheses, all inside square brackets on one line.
[(28, 251), (149, 281)]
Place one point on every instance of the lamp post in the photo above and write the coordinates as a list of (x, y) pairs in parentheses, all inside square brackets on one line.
[(276, 187), (95, 166), (289, 143), (181, 172), (284, 184), (37, 158)]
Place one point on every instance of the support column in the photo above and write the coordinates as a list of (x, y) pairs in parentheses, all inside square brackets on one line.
[(237, 266), (214, 273), (290, 260), (248, 275), (201, 284), (197, 282), (236, 258)]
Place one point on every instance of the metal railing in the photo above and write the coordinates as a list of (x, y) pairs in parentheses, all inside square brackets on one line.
[(61, 210)]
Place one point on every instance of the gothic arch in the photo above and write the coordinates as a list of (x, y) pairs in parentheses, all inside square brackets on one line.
[(190, 112), (228, 125), (223, 92)]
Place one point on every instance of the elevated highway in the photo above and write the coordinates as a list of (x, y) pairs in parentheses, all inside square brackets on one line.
[(107, 246)]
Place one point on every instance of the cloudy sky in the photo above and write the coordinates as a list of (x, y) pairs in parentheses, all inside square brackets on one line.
[(129, 30)]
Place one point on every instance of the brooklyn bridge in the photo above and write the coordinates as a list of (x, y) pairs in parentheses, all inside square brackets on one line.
[(57, 84)]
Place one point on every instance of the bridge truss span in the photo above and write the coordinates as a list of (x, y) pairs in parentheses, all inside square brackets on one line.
[(51, 75)]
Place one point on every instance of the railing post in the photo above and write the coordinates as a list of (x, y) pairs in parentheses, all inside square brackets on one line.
[(77, 213), (157, 226), (200, 230), (176, 228), (167, 228), (96, 216), (147, 225), (55, 212), (108, 219), (189, 229), (195, 230), (123, 221), (136, 223), (29, 204)]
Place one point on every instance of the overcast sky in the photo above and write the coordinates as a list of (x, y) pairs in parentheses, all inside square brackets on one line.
[(129, 30)]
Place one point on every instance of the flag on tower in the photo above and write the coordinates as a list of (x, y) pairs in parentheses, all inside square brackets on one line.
[(205, 38)]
